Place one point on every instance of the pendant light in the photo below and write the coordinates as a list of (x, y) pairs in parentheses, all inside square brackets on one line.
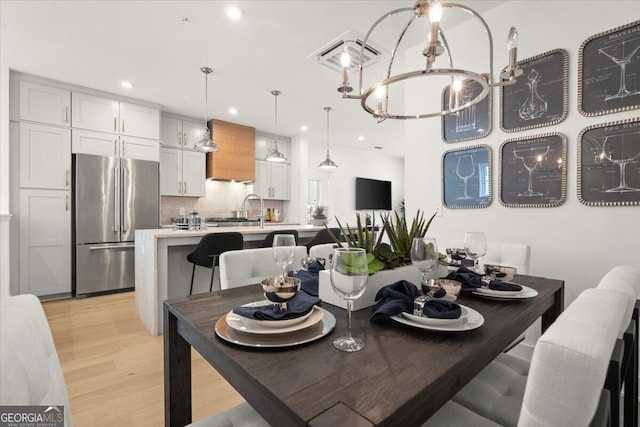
[(275, 155), (206, 144), (327, 163)]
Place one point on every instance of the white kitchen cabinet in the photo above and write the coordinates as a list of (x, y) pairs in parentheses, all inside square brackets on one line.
[(45, 156), (272, 180), (180, 133), (108, 144), (44, 104), (108, 115), (182, 172), (45, 242)]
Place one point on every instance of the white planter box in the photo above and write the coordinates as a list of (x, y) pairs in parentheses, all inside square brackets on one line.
[(375, 282)]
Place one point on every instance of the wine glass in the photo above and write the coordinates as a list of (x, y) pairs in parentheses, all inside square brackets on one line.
[(465, 170), (284, 246), (475, 245), (424, 255), (617, 152), (349, 274)]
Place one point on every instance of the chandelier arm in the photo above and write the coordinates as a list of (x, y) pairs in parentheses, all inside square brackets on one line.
[(393, 54), (364, 43), (487, 31)]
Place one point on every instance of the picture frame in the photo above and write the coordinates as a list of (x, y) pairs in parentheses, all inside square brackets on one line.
[(471, 123), (608, 69), (533, 171), (609, 164), (466, 177), (540, 96)]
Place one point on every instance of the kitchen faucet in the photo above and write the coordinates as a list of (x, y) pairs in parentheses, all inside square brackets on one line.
[(261, 214)]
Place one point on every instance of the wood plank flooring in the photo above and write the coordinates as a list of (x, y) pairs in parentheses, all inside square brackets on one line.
[(113, 367)]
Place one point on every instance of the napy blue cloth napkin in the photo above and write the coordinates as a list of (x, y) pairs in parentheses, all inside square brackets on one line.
[(471, 281), (298, 306), (398, 297), (309, 278)]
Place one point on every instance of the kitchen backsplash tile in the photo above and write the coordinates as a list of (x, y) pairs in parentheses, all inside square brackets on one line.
[(221, 199)]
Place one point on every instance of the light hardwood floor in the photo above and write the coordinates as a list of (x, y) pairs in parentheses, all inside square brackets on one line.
[(113, 367)]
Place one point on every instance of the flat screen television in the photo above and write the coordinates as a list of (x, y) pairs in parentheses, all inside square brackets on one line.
[(373, 194)]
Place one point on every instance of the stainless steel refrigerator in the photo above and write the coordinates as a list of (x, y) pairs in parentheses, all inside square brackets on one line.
[(112, 198)]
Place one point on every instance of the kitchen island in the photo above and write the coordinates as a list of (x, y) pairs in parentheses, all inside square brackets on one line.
[(162, 270)]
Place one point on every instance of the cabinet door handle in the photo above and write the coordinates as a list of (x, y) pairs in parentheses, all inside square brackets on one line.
[(122, 126), (66, 114), (180, 138), (123, 145), (66, 202), (185, 187), (179, 187), (114, 123), (66, 177)]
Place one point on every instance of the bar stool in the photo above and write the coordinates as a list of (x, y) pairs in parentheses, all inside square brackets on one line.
[(209, 250), (268, 240), (324, 236)]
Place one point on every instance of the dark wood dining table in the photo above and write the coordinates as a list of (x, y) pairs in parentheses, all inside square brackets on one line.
[(401, 377)]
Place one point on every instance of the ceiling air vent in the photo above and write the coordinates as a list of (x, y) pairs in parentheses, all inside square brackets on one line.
[(330, 54)]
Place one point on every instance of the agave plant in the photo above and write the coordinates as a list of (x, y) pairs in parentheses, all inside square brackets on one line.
[(361, 237), (401, 235)]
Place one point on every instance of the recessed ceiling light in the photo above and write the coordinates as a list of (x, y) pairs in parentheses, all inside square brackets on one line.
[(361, 138), (184, 20), (234, 13), (233, 111), (304, 128), (125, 84)]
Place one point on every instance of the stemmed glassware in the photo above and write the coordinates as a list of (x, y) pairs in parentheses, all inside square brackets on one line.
[(614, 150), (465, 170), (424, 255), (284, 246), (349, 274), (530, 157), (622, 62), (475, 245)]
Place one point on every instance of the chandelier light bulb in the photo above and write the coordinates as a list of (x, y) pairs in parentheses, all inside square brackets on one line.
[(435, 12), (512, 39), (345, 59)]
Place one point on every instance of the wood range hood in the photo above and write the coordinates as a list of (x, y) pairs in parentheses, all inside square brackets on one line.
[(235, 160)]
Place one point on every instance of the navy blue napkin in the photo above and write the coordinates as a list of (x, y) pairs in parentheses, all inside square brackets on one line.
[(309, 278), (471, 281), (497, 285), (442, 309), (298, 306), (394, 299)]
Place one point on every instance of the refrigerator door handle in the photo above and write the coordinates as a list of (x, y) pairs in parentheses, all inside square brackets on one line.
[(97, 248), (125, 199), (116, 204)]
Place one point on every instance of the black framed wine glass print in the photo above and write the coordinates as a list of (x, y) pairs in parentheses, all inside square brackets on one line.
[(470, 123), (466, 177), (609, 71), (609, 164), (533, 171), (539, 97)]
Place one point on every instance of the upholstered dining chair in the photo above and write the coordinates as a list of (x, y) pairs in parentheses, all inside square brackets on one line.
[(209, 249), (553, 390), (322, 250), (268, 240), (250, 266), (29, 364)]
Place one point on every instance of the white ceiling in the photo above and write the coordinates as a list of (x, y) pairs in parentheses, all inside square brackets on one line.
[(97, 44)]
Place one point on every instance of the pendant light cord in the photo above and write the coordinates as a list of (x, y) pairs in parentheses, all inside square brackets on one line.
[(327, 109)]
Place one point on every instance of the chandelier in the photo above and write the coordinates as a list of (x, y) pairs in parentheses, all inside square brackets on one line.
[(274, 155), (375, 98)]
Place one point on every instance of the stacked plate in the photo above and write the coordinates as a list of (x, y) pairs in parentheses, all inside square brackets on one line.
[(526, 292), (275, 333), (469, 319)]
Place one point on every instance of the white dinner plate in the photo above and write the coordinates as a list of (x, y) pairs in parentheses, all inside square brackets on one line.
[(431, 321), (243, 324), (285, 323), (470, 320), (526, 292), (303, 336)]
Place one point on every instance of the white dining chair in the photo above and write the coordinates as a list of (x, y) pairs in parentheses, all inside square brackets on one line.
[(553, 390), (322, 250), (250, 266), (242, 415)]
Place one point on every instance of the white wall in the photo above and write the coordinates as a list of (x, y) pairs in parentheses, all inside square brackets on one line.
[(338, 187), (573, 242), (4, 176)]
